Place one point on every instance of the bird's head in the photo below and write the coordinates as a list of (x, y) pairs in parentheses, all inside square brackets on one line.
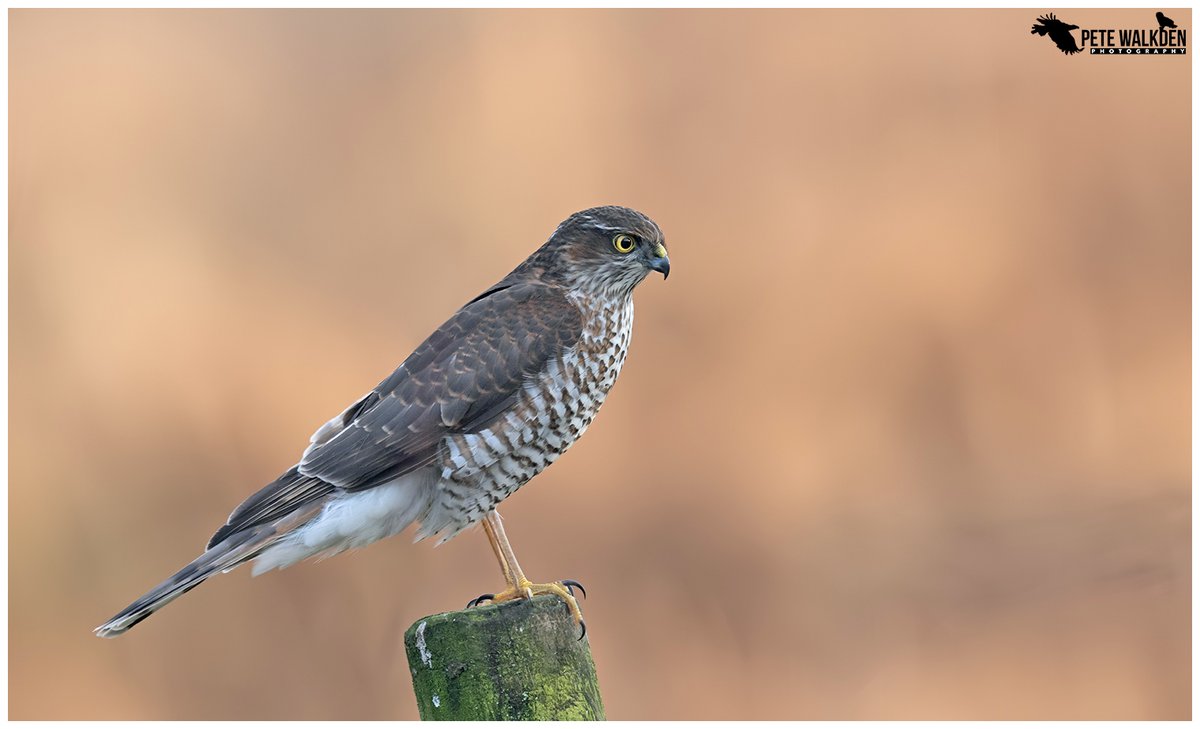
[(607, 249)]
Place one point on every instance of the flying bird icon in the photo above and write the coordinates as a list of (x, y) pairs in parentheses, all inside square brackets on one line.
[(1058, 31), (1164, 21)]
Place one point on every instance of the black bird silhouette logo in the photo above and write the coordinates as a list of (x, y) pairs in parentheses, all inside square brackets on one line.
[(1163, 21), (1058, 31)]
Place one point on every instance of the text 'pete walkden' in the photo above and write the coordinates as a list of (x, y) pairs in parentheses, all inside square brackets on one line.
[(1135, 41)]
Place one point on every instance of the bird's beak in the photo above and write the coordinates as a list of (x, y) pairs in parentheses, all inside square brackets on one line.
[(660, 262)]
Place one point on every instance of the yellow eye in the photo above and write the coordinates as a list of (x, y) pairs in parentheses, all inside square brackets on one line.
[(624, 243)]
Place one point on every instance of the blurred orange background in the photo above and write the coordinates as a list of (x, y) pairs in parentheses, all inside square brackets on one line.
[(906, 434)]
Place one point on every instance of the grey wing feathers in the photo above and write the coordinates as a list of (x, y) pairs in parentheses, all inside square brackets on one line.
[(460, 378), (282, 497), (291, 491), (463, 376)]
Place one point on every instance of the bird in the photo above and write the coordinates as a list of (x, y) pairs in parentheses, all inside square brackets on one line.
[(491, 398), (1058, 31), (1164, 21)]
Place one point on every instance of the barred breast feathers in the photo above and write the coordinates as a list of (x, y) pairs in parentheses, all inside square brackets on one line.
[(556, 407)]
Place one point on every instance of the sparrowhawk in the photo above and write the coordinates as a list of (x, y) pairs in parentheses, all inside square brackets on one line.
[(491, 398)]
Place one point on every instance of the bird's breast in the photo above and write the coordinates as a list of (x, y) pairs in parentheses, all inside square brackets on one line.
[(555, 408), (569, 392)]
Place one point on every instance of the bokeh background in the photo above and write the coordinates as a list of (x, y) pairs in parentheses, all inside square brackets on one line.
[(906, 434)]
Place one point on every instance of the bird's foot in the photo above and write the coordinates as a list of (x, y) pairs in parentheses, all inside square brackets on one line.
[(525, 590)]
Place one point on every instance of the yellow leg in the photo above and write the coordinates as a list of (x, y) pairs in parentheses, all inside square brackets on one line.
[(510, 577), (517, 586)]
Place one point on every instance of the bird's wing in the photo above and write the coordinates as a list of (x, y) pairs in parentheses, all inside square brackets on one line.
[(1064, 40), (290, 495), (463, 376)]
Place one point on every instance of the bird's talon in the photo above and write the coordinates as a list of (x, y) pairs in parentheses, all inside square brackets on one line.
[(479, 600), (526, 590)]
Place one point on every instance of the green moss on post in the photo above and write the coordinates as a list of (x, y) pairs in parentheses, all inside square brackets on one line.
[(519, 660)]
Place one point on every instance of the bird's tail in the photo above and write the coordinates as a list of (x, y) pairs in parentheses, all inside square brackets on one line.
[(222, 557)]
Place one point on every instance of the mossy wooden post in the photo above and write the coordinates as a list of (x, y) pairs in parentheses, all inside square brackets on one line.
[(518, 660)]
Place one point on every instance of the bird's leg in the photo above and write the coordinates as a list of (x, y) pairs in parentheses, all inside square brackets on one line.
[(494, 527), (510, 576), (518, 586)]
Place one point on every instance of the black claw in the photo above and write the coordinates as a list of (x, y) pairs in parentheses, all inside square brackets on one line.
[(476, 602), (582, 629), (572, 583)]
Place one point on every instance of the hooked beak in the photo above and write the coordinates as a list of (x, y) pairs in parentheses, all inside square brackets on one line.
[(660, 262)]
